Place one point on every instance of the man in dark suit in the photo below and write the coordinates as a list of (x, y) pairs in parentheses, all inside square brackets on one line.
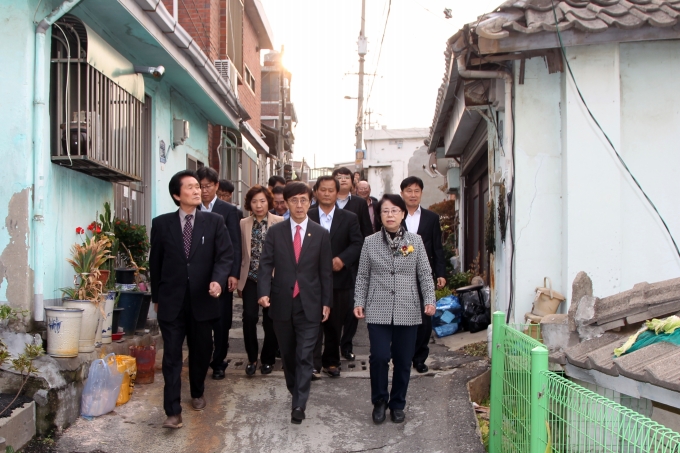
[(359, 207), (209, 181), (346, 243), (426, 224), (295, 282), (190, 260)]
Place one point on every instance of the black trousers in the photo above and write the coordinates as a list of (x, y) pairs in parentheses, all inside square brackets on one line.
[(199, 341), (423, 339), (297, 337), (251, 314), (220, 329), (330, 331), (396, 343), (349, 329)]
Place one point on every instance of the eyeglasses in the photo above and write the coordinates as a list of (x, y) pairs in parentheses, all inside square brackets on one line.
[(298, 201), (207, 186), (393, 212)]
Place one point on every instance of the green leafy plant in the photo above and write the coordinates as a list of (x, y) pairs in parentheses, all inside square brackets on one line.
[(460, 279), (23, 364), (134, 243), (441, 293)]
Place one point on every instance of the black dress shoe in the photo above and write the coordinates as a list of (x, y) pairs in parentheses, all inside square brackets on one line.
[(379, 412), (218, 374), (316, 375), (266, 369), (349, 355), (421, 368), (397, 415), (332, 371), (251, 368), (297, 415)]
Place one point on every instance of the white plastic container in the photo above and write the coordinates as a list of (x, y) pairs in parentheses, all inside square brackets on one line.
[(106, 322), (89, 325), (63, 330)]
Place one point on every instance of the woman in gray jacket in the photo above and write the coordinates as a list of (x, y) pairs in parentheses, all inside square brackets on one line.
[(392, 266)]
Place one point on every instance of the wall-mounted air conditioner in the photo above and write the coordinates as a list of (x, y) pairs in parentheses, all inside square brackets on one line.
[(229, 73)]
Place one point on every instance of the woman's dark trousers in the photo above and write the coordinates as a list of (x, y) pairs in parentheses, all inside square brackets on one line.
[(391, 342)]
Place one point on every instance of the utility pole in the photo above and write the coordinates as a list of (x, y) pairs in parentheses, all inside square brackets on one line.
[(358, 129), (282, 112)]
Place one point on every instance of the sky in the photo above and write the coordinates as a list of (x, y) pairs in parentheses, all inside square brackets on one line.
[(320, 39)]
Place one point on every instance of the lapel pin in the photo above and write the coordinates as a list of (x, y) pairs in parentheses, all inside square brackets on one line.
[(309, 234)]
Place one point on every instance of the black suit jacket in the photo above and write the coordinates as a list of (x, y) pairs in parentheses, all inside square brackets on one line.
[(210, 260), (377, 224), (232, 219), (346, 243), (359, 206), (278, 271), (430, 232)]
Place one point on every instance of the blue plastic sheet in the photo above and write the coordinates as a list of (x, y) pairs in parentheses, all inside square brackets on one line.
[(447, 317)]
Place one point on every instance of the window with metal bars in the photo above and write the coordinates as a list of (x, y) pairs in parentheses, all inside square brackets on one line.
[(97, 127)]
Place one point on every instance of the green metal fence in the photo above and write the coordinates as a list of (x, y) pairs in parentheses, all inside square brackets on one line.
[(534, 410)]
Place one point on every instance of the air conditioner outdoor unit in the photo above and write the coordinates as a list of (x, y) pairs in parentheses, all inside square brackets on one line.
[(228, 72)]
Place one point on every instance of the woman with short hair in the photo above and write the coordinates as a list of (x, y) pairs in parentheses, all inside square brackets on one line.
[(393, 265), (253, 233)]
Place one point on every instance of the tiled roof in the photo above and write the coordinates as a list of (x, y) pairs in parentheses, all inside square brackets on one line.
[(657, 364), (593, 16)]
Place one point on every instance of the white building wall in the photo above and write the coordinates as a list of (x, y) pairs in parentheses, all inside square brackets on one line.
[(387, 164), (576, 209)]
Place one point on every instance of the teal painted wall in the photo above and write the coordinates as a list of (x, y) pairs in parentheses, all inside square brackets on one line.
[(169, 104), (72, 199)]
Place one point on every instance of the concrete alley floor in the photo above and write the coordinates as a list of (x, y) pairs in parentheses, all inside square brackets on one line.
[(252, 414)]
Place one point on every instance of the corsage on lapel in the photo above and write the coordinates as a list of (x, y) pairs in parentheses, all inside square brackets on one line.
[(406, 249)]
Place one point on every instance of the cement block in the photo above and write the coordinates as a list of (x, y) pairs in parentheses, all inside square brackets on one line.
[(582, 286), (556, 332), (19, 428)]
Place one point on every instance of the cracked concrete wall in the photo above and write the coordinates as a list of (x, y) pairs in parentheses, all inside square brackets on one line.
[(16, 277), (576, 207)]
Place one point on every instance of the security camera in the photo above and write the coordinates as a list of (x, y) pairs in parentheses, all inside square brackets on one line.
[(156, 71)]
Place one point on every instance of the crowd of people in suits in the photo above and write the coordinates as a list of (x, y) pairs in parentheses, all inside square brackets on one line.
[(316, 260)]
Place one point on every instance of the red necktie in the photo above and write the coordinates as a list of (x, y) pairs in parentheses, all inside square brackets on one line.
[(297, 246)]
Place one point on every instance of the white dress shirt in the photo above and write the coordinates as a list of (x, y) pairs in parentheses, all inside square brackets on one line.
[(210, 205), (413, 221), (303, 229), (342, 203), (326, 220)]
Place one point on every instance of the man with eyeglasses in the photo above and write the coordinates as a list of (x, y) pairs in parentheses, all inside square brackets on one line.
[(358, 206), (295, 281), (425, 223), (209, 181)]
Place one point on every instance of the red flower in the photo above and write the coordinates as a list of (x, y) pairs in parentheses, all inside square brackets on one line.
[(79, 230), (99, 230), (404, 248), (91, 226)]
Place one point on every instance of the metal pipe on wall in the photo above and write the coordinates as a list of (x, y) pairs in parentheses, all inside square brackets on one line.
[(507, 146), (39, 156)]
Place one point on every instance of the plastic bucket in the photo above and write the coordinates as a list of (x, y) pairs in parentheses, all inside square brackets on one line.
[(146, 363), (124, 275)]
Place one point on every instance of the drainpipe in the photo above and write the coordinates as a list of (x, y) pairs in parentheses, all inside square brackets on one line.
[(39, 157), (507, 144)]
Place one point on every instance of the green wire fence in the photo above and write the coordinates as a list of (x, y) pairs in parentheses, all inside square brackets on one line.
[(534, 410)]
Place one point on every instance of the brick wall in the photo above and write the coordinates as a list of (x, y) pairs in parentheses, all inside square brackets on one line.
[(201, 19), (251, 58)]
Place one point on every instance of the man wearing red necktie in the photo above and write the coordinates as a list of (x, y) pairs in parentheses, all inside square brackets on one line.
[(295, 280)]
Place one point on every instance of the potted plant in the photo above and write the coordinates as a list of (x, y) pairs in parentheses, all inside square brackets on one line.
[(87, 289), (103, 230), (134, 250)]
